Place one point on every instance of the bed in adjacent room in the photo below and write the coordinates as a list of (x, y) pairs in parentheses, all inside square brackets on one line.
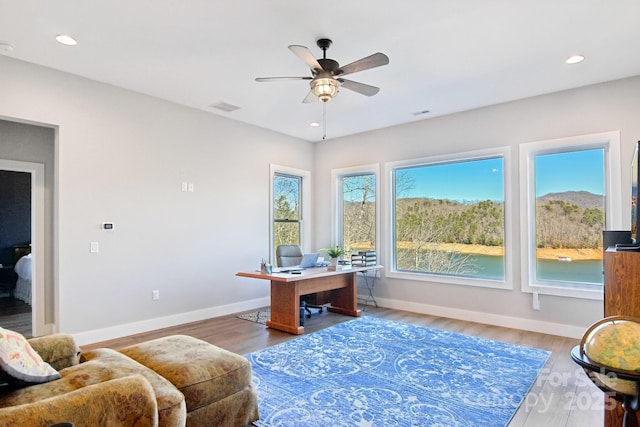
[(23, 286)]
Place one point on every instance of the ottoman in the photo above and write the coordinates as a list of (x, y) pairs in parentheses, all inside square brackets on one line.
[(215, 382)]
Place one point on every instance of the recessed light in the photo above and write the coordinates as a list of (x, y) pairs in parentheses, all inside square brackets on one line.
[(314, 124), (6, 47), (574, 59), (66, 40)]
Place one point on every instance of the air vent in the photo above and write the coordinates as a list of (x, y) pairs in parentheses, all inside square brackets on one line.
[(224, 107)]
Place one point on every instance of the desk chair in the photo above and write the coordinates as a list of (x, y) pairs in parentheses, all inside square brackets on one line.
[(288, 256)]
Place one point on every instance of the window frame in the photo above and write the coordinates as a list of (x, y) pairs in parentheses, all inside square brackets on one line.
[(337, 201), (610, 143), (503, 152), (305, 205)]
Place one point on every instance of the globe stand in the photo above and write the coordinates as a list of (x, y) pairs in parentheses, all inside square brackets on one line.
[(615, 371), (630, 403)]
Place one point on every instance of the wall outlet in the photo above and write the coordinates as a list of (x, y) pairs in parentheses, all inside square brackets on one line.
[(94, 248), (155, 295)]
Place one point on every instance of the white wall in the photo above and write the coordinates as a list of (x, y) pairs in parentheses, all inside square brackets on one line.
[(121, 157), (598, 108)]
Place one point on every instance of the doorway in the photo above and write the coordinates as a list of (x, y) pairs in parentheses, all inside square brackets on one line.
[(30, 285), (15, 249)]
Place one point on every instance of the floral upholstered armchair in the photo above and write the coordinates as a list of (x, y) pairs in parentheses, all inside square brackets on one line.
[(50, 387), (172, 381)]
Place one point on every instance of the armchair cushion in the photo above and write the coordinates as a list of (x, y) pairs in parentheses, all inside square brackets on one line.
[(128, 401), (58, 350), (104, 365), (20, 364)]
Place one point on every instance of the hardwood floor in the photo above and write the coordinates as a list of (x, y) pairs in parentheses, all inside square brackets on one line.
[(15, 315), (562, 396)]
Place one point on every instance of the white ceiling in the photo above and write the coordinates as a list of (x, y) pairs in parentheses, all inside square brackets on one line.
[(445, 55)]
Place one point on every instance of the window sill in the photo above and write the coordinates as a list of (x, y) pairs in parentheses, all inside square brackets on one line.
[(577, 291), (453, 280)]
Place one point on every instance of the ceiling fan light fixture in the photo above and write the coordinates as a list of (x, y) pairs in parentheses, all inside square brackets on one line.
[(324, 88)]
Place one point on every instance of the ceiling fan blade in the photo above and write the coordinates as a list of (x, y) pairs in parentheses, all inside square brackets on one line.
[(311, 97), (306, 56), (275, 79), (361, 88), (371, 61)]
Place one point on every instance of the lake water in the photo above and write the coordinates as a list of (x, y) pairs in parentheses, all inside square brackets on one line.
[(492, 267), (575, 271)]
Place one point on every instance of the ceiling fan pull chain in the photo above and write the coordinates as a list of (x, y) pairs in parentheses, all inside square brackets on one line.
[(324, 121)]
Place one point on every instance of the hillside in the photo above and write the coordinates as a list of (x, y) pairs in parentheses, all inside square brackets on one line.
[(570, 220), (583, 199), (567, 220)]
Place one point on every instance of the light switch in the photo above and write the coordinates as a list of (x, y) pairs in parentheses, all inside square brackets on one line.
[(95, 247), (185, 186), (191, 187)]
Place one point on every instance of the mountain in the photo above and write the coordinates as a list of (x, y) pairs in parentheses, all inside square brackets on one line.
[(583, 199)]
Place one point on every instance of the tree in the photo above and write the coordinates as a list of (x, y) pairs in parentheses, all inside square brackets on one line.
[(286, 210), (359, 216), (419, 228)]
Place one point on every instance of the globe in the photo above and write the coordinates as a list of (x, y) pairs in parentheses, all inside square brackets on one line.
[(615, 344)]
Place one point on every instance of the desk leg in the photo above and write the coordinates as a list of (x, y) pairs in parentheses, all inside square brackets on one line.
[(345, 299), (285, 307), (369, 282)]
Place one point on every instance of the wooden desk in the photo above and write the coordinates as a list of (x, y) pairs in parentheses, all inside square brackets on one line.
[(286, 289)]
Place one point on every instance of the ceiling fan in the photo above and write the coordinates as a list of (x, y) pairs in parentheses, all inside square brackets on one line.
[(326, 74)]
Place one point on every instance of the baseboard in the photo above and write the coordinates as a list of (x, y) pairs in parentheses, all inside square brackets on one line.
[(98, 335), (550, 328)]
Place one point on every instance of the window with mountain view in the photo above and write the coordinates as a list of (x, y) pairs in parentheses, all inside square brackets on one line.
[(358, 228), (449, 218), (569, 216), (287, 194), (570, 191)]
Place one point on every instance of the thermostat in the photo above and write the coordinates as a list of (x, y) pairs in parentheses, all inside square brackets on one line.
[(107, 226)]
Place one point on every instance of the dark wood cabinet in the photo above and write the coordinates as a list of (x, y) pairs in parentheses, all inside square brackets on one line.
[(621, 297), (621, 283)]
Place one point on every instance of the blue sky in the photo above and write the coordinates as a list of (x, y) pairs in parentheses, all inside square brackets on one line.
[(462, 181), (575, 171), (483, 179)]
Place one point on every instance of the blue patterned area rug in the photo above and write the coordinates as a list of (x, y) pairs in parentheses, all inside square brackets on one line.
[(372, 372)]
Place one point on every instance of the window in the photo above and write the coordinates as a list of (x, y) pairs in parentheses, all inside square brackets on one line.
[(286, 209), (290, 207), (567, 184), (357, 212), (448, 218)]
